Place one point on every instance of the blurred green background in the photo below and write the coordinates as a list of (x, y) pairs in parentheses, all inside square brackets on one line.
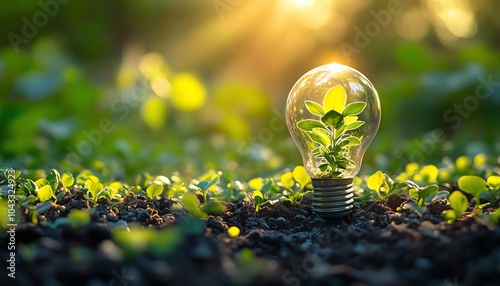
[(187, 85)]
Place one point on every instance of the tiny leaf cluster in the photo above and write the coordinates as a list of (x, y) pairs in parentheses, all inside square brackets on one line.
[(332, 133)]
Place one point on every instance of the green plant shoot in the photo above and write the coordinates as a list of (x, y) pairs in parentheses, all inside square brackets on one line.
[(458, 205), (473, 185), (332, 133)]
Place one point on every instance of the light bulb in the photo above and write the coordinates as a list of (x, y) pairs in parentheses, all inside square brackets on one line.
[(333, 114)]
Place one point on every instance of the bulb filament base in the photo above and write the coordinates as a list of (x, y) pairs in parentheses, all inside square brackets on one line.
[(332, 198)]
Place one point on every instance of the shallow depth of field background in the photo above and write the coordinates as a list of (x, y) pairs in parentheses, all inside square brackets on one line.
[(186, 85)]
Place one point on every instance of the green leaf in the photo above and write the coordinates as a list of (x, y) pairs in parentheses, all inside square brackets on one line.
[(458, 203), (45, 193), (60, 196), (42, 208), (350, 119), (324, 167), (414, 194), (449, 216), (205, 185), (114, 188), (375, 181), (415, 208), (342, 164), (314, 108), (354, 108), (333, 118), (327, 156), (473, 185), (411, 184), (258, 197), (440, 195), (41, 182), (354, 141), (494, 182), (287, 180), (335, 99), (31, 186), (310, 124), (320, 136), (154, 190), (300, 175), (354, 125), (266, 187), (429, 190), (94, 188), (389, 182), (67, 180), (212, 207), (54, 178), (192, 205)]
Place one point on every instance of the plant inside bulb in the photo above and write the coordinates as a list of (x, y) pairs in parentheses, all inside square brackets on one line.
[(333, 114), (332, 134)]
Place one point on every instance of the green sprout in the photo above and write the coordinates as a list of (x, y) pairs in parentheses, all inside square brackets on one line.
[(474, 186), (294, 193), (208, 206), (458, 205), (494, 187), (67, 180), (332, 133), (383, 185), (154, 190)]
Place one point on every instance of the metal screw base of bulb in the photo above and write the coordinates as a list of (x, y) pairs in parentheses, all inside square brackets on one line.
[(332, 198)]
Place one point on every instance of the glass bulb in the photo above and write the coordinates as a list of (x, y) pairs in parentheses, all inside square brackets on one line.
[(333, 114)]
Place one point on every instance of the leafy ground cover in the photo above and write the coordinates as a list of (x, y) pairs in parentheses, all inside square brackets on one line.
[(83, 229)]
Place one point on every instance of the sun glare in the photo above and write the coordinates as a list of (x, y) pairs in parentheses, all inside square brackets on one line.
[(303, 3)]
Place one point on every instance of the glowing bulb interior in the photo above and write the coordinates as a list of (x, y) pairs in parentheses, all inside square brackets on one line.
[(313, 86)]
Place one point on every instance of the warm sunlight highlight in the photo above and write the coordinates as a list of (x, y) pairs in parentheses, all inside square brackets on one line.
[(303, 3), (453, 19)]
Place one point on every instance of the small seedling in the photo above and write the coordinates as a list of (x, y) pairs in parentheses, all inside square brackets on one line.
[(54, 178), (332, 133), (300, 176), (292, 192), (208, 206), (383, 185), (67, 180), (458, 205), (269, 193), (415, 208), (473, 185), (258, 199), (154, 190), (420, 194), (494, 187), (95, 189)]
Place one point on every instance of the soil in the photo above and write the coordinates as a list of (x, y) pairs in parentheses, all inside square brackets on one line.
[(375, 245)]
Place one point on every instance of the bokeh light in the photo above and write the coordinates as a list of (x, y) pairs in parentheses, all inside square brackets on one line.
[(188, 93)]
